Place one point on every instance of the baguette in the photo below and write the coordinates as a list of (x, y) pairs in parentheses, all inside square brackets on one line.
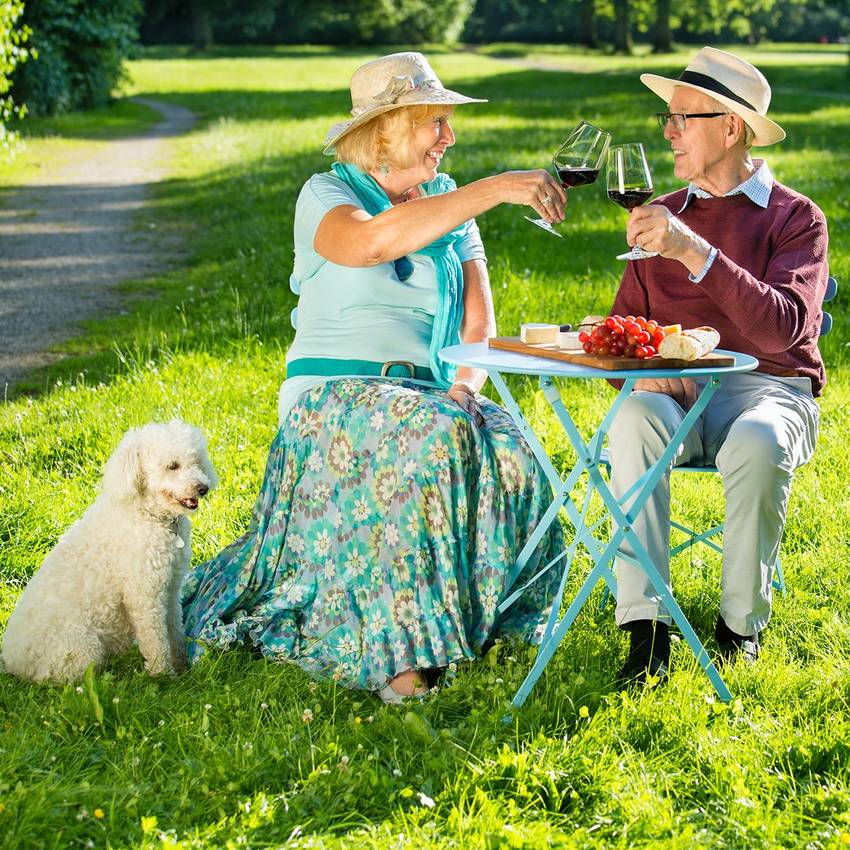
[(690, 344)]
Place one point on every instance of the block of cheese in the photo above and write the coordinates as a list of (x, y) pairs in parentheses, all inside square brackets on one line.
[(568, 340), (690, 344), (538, 333)]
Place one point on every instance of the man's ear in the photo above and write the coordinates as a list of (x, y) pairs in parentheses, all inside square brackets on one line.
[(734, 130)]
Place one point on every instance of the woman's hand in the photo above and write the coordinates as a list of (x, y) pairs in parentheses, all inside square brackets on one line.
[(466, 398), (538, 189)]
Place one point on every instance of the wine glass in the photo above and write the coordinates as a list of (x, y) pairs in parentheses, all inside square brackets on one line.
[(577, 162), (630, 185)]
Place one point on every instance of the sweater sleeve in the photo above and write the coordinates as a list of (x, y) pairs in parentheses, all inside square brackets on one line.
[(777, 312)]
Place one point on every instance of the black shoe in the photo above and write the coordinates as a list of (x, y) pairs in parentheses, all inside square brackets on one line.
[(732, 645), (649, 653)]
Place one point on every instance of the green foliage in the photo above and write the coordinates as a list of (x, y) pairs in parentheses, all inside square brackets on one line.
[(242, 752), (81, 46), (13, 36), (311, 21)]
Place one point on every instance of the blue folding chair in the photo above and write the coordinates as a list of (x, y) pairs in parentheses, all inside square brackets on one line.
[(704, 537)]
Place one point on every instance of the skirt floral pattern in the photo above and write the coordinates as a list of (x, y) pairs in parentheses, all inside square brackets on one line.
[(381, 539)]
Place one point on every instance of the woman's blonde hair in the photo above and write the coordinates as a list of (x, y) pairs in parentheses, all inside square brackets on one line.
[(387, 140)]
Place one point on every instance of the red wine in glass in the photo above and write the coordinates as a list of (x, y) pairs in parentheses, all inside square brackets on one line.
[(577, 162), (630, 185), (572, 177), (630, 198)]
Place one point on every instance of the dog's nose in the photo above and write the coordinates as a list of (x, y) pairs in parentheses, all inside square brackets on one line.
[(203, 489)]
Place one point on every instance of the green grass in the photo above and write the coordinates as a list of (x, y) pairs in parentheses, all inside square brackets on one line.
[(226, 756)]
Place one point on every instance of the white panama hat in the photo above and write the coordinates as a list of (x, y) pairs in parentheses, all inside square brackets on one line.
[(732, 81), (400, 79)]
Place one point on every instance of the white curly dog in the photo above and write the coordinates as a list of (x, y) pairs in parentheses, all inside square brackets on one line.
[(115, 575)]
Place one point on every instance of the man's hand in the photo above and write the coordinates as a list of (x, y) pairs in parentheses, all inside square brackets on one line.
[(655, 228), (681, 390)]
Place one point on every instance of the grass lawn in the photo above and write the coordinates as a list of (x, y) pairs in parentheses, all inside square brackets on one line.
[(244, 753)]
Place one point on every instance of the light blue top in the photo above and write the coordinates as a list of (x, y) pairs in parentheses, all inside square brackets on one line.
[(757, 187), (363, 313)]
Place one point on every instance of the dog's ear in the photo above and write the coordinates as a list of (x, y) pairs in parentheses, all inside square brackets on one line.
[(124, 472)]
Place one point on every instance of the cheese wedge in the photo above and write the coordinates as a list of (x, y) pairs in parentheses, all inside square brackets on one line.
[(568, 341), (538, 333)]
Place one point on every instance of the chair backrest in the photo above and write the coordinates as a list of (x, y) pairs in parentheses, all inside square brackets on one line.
[(831, 290)]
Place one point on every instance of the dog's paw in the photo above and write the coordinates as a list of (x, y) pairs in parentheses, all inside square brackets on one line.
[(160, 668)]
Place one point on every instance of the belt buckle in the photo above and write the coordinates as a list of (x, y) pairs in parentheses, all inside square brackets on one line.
[(385, 369)]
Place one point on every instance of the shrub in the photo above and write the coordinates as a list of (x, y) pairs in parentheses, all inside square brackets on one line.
[(12, 53), (81, 47)]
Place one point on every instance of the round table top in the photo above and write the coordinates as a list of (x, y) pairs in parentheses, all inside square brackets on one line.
[(479, 355)]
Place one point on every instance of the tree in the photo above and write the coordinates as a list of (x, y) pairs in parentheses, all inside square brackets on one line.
[(622, 27), (81, 48), (587, 24), (662, 34), (12, 53)]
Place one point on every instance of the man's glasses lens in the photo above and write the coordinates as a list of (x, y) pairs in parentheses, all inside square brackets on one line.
[(677, 118)]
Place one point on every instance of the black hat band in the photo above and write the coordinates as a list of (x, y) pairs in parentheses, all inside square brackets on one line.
[(706, 82)]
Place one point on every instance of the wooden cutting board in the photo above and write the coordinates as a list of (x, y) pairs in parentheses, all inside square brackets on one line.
[(597, 361)]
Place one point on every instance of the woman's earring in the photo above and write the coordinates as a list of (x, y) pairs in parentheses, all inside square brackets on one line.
[(385, 170)]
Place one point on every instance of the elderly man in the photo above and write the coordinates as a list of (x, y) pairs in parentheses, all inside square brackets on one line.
[(747, 255)]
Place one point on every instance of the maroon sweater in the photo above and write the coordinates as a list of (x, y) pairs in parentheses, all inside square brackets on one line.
[(763, 292)]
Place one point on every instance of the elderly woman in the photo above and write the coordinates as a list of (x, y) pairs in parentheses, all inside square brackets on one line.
[(395, 498)]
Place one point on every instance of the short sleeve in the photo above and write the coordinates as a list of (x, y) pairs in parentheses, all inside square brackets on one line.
[(320, 194), (469, 246)]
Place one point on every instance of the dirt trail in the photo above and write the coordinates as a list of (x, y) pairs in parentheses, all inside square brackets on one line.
[(69, 239)]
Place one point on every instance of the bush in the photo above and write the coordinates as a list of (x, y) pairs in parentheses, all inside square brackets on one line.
[(81, 48), (12, 53)]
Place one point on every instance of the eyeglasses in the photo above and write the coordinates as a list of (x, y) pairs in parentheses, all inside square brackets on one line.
[(679, 118)]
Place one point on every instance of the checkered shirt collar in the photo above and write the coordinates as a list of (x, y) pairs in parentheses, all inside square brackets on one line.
[(756, 187)]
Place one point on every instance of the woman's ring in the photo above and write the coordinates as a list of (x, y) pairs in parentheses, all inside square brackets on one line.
[(547, 200)]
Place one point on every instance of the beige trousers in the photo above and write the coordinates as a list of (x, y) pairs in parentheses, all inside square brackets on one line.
[(757, 429)]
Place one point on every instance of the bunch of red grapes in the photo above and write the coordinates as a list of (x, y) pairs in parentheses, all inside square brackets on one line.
[(623, 336)]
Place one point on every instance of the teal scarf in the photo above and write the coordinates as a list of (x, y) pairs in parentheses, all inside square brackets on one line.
[(449, 273)]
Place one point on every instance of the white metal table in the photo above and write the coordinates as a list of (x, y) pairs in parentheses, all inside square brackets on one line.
[(622, 511)]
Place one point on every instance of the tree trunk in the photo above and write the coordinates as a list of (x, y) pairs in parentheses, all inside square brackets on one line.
[(202, 34), (663, 38), (587, 20), (622, 30)]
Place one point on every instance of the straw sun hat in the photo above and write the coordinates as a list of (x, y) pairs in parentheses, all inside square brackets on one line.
[(400, 79), (739, 86)]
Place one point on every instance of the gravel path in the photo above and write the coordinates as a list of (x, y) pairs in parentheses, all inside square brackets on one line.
[(69, 239)]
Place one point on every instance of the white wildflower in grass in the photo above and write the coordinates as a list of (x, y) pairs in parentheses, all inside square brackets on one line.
[(307, 716), (396, 772), (79, 689), (426, 801)]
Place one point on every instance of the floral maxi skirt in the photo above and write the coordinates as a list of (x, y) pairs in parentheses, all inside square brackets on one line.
[(382, 538)]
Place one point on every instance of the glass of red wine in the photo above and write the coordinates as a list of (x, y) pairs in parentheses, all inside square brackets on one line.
[(630, 185), (577, 162)]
